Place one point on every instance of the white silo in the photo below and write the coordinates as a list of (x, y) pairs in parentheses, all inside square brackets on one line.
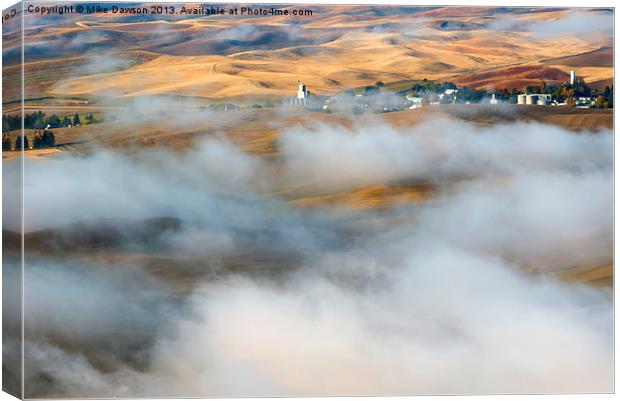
[(520, 99), (531, 99), (302, 94)]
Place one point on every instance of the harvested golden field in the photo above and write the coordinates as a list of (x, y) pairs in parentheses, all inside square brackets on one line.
[(257, 130), (374, 197), (261, 57), (599, 276)]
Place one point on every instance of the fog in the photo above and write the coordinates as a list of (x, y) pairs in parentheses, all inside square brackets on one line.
[(237, 32), (333, 158), (427, 298), (543, 219), (447, 322), (100, 63), (109, 185), (577, 22)]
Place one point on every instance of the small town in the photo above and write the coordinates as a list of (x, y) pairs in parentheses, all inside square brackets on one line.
[(377, 98), (380, 98)]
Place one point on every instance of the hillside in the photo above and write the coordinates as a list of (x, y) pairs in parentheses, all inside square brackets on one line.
[(257, 57)]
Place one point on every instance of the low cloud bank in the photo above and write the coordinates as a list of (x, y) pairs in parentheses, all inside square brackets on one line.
[(448, 322), (542, 220), (445, 321), (576, 22), (332, 157), (209, 181), (434, 303)]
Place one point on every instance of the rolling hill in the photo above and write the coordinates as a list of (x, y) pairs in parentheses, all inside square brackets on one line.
[(219, 57)]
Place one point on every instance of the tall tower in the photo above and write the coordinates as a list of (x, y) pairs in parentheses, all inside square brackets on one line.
[(573, 77), (302, 94)]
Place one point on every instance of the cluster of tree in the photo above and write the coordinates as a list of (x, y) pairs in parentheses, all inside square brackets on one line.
[(466, 94), (18, 142), (372, 90), (506, 95), (38, 120), (562, 92), (43, 139), (605, 100), (431, 90), (6, 142), (369, 90), (40, 139), (11, 122), (426, 86)]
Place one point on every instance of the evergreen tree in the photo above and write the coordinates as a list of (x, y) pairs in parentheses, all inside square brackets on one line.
[(18, 142), (601, 103), (371, 90), (15, 122), (609, 95), (43, 139), (38, 121), (53, 121), (6, 142)]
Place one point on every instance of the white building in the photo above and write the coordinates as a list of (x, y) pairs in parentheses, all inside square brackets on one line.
[(531, 99), (493, 99), (302, 94), (414, 101), (573, 77), (540, 99)]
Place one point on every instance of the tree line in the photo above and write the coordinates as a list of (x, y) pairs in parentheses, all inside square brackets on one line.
[(39, 120), (40, 139), (430, 89)]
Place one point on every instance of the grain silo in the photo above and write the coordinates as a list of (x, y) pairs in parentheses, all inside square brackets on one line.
[(531, 99)]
